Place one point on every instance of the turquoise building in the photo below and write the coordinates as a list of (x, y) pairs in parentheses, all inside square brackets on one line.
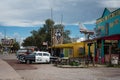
[(108, 35), (109, 23)]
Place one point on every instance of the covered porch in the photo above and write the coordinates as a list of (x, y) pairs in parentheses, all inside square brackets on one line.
[(108, 47)]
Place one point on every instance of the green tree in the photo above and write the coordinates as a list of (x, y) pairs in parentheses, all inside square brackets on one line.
[(29, 41), (49, 24), (15, 47), (66, 38), (43, 34)]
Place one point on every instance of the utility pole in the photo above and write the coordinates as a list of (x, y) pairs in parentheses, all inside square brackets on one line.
[(51, 13), (51, 42), (4, 33), (51, 32), (61, 19)]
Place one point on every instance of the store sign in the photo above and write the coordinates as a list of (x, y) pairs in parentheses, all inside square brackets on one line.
[(113, 14), (58, 36), (7, 42)]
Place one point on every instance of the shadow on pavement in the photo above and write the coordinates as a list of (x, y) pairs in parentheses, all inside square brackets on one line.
[(19, 66)]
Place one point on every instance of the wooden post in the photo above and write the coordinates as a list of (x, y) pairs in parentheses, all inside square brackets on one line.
[(102, 52), (94, 54), (110, 47)]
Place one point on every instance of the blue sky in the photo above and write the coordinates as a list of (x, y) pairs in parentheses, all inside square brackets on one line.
[(13, 31), (23, 32), (27, 15), (75, 31)]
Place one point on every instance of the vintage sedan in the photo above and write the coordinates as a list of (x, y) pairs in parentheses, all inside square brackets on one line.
[(35, 57)]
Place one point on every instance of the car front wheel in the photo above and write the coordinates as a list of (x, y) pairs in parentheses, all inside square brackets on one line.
[(28, 61), (21, 58)]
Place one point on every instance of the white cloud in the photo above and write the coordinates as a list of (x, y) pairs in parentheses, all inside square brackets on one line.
[(90, 22), (15, 12), (35, 12), (18, 37), (110, 3), (1, 35), (81, 39), (86, 22), (23, 23)]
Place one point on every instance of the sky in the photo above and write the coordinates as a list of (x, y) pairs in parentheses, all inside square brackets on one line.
[(19, 17)]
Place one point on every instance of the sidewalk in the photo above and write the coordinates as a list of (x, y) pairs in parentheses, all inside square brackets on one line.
[(7, 72)]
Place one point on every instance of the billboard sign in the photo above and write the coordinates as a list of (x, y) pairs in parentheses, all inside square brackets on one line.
[(7, 42)]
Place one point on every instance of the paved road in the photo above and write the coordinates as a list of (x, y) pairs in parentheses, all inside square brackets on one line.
[(50, 72)]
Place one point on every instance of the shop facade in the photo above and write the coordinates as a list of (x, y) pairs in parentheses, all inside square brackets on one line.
[(69, 50), (108, 35)]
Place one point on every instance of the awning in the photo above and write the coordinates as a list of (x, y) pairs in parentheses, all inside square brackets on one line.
[(112, 37), (69, 45)]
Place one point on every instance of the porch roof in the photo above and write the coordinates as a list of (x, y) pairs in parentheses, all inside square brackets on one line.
[(112, 37), (69, 45)]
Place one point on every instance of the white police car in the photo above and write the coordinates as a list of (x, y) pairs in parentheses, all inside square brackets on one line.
[(35, 57)]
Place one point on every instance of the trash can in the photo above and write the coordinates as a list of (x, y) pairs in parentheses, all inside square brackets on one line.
[(114, 60)]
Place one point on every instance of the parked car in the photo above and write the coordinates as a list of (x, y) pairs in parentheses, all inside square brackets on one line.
[(35, 57), (53, 59), (22, 52)]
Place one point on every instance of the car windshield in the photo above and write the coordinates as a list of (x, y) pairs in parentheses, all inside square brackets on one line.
[(39, 54), (22, 50), (45, 54), (32, 54)]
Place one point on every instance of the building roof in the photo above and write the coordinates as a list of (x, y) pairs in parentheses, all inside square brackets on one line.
[(112, 9), (68, 45), (108, 11)]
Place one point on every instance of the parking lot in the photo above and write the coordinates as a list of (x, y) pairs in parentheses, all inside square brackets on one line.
[(51, 72)]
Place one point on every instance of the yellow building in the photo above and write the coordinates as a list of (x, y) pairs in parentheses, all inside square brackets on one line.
[(80, 49)]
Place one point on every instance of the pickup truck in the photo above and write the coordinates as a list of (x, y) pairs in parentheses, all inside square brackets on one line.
[(35, 57)]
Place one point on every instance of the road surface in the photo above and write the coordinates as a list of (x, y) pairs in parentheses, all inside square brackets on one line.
[(50, 72)]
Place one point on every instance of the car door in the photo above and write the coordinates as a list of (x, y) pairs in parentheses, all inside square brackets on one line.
[(46, 57), (38, 58)]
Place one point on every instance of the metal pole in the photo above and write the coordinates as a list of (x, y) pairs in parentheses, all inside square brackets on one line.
[(51, 13)]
